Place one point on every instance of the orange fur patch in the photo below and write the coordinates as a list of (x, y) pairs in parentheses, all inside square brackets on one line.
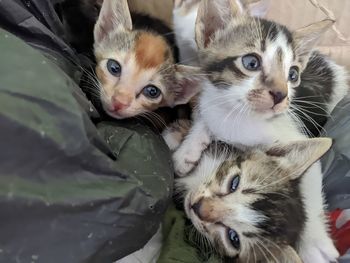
[(150, 51), (101, 75)]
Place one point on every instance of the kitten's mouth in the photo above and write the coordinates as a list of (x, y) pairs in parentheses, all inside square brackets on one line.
[(270, 108), (113, 113)]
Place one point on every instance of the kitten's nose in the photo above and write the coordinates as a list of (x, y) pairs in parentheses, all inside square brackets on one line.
[(278, 96), (119, 105), (197, 208)]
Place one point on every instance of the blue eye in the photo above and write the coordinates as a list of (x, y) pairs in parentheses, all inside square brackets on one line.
[(151, 92), (293, 74), (234, 183), (251, 62), (234, 238), (114, 67)]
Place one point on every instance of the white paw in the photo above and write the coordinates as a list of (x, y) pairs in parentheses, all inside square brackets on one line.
[(185, 159)]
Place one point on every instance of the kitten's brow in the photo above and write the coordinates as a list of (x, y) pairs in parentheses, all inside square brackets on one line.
[(227, 63)]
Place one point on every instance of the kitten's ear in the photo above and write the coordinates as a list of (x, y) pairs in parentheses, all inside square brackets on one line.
[(188, 82), (307, 38), (257, 8), (213, 16), (298, 156), (114, 15)]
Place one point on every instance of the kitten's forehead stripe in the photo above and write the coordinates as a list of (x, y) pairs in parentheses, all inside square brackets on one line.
[(151, 51), (280, 56), (271, 30)]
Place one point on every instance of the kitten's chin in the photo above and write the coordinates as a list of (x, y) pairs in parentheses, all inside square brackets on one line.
[(114, 114), (269, 113)]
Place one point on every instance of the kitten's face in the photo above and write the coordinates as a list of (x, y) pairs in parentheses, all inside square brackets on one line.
[(136, 69), (240, 203), (133, 73), (250, 201), (252, 63)]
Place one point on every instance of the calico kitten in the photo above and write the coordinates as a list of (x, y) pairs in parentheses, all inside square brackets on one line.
[(259, 204), (254, 67), (136, 68), (135, 54)]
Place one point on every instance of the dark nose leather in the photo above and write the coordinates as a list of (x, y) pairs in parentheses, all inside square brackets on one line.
[(278, 97), (197, 207)]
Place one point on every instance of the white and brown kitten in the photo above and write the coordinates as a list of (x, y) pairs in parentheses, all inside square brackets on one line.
[(322, 81), (259, 204), (254, 67), (136, 68)]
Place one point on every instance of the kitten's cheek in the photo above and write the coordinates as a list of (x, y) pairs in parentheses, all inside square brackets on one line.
[(261, 105), (107, 105)]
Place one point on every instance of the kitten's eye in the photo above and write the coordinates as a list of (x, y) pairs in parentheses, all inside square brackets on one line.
[(114, 67), (151, 92), (234, 239), (293, 74), (234, 183), (251, 62)]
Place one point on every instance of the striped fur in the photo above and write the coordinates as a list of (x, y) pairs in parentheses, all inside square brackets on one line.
[(253, 107), (271, 191)]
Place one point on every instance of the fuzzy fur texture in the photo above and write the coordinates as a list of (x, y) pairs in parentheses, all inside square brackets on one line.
[(273, 188), (145, 57), (184, 20), (239, 106)]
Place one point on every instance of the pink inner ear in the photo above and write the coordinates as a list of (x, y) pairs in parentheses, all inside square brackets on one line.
[(209, 32), (216, 19), (187, 89), (103, 27)]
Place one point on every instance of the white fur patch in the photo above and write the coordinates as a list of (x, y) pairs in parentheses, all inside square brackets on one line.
[(184, 27)]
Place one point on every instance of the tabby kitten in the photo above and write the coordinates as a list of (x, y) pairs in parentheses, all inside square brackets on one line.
[(136, 68), (254, 67), (259, 204)]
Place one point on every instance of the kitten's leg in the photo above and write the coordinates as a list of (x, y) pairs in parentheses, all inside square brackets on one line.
[(188, 154), (176, 132)]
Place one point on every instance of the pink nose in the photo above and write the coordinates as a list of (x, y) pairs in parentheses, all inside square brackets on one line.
[(118, 105)]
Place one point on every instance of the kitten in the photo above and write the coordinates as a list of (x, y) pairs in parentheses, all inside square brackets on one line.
[(260, 204), (136, 68), (312, 102), (136, 61), (254, 67)]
